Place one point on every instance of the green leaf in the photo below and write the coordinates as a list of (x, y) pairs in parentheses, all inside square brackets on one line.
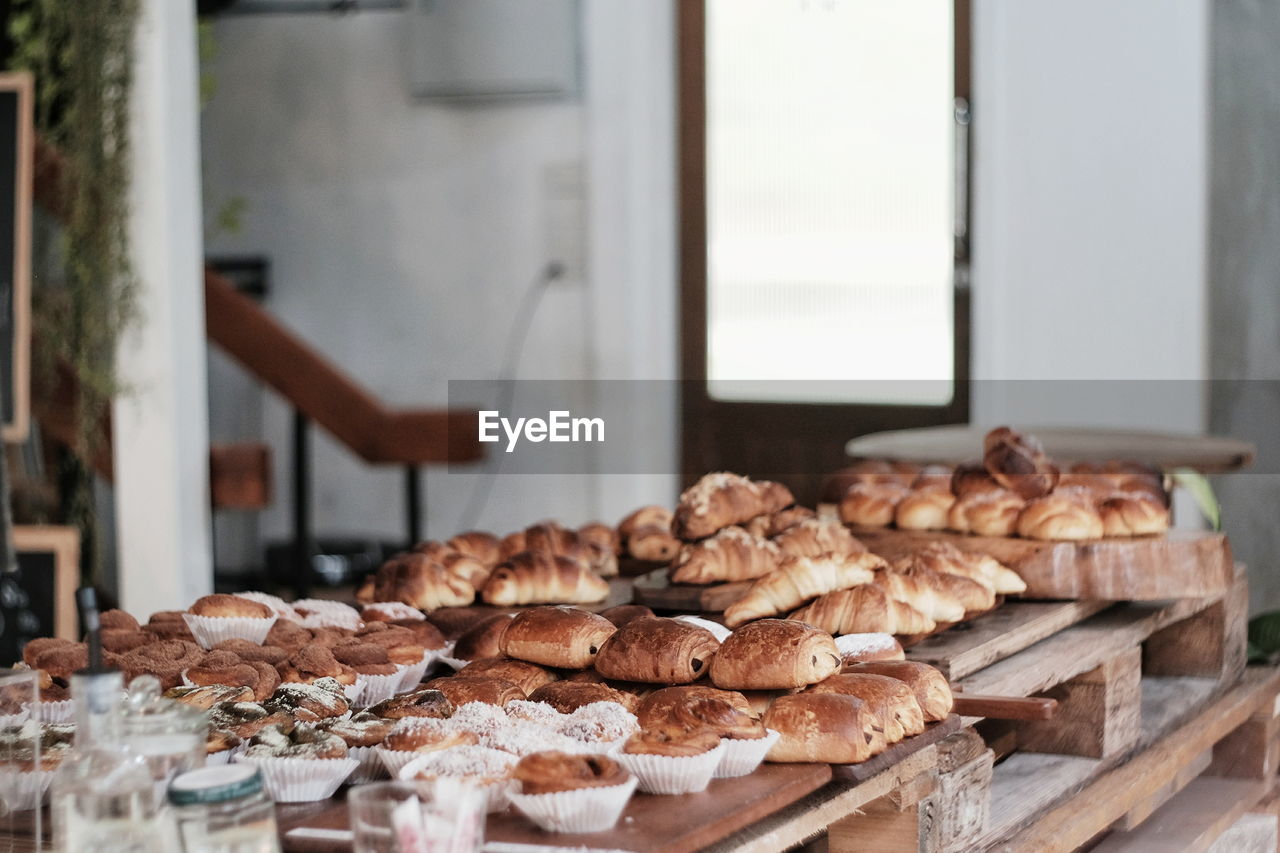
[(1264, 632), (1201, 491)]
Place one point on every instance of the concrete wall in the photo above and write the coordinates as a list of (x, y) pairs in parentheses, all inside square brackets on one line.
[(1244, 268), (403, 235)]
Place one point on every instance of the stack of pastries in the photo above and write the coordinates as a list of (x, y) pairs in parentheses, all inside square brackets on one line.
[(1015, 490)]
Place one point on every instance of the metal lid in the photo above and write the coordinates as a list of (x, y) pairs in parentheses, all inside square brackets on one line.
[(218, 784)]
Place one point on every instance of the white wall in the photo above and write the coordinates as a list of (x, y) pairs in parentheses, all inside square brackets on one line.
[(404, 233), (1090, 217)]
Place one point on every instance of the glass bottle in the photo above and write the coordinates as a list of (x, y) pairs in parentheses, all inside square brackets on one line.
[(224, 809), (103, 797)]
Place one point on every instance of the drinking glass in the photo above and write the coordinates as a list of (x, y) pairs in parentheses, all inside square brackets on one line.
[(24, 773), (440, 816)]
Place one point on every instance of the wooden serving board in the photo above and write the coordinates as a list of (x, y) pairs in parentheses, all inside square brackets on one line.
[(1179, 564), (650, 823), (655, 591), (895, 754)]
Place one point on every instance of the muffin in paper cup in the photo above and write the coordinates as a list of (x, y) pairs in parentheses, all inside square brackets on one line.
[(412, 675), (456, 663), (371, 767), (744, 756), (301, 780), (581, 810), (211, 630), (394, 759), (372, 689), (63, 711), (24, 790), (671, 774)]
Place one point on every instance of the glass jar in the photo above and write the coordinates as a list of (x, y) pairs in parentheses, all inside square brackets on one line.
[(223, 809), (168, 735)]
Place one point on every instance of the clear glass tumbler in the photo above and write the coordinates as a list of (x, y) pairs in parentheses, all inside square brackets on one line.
[(442, 816)]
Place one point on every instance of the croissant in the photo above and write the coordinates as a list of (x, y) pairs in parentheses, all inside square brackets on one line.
[(925, 508), (773, 524), (646, 534), (539, 578), (798, 579), (657, 651), (602, 536), (471, 569), (921, 593), (416, 580), (563, 637), (863, 609), (1133, 514), (1018, 463), (479, 545), (730, 555), (986, 514), (721, 499), (871, 504), (1065, 514), (945, 558), (550, 538), (971, 595), (774, 654), (890, 699), (929, 686), (813, 537), (824, 727)]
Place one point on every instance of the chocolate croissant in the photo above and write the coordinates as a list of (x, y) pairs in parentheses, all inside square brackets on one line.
[(863, 609), (799, 579), (774, 654), (824, 727), (538, 578), (892, 700), (657, 651), (721, 499), (563, 637), (733, 554)]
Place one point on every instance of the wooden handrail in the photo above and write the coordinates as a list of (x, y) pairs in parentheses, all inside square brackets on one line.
[(281, 360)]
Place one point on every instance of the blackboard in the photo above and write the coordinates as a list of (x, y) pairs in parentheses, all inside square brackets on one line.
[(38, 600), (17, 146)]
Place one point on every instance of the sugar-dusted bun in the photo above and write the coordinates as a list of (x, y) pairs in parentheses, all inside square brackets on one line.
[(390, 611), (856, 648), (320, 700), (299, 741), (230, 606)]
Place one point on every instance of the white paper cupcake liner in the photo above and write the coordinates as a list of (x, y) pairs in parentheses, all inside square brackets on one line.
[(412, 675), (672, 774), (352, 691), (583, 810), (395, 759), (212, 759), (744, 756), (456, 663), (24, 791), (498, 792), (371, 767), (301, 780), (56, 712), (12, 721), (372, 689), (211, 630)]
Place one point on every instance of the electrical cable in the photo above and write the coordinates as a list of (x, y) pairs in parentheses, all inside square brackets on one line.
[(507, 375)]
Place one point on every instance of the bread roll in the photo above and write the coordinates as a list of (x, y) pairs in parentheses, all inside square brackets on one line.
[(863, 609), (871, 504), (722, 499), (1063, 515), (774, 654), (1018, 463), (825, 728), (924, 509), (799, 579), (539, 578), (1133, 514), (730, 555), (892, 700), (657, 651), (562, 637), (986, 514), (814, 537), (929, 686)]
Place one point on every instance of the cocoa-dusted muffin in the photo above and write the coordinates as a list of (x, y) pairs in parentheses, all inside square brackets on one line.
[(553, 772), (311, 663)]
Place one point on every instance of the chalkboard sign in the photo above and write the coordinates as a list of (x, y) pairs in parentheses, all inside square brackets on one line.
[(17, 147), (38, 600)]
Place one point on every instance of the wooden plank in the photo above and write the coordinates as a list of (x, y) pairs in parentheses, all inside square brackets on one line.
[(1148, 806), (1099, 712), (1179, 564), (1251, 751), (963, 803), (1005, 707), (650, 823), (1191, 821), (655, 591), (1210, 643), (980, 642), (897, 753), (1252, 833), (1026, 784), (1105, 799), (1080, 648), (877, 831)]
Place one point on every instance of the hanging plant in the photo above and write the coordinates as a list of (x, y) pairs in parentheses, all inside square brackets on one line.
[(81, 55)]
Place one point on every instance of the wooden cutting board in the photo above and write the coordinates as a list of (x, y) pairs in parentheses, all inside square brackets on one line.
[(958, 443), (1179, 564), (655, 591), (650, 823)]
